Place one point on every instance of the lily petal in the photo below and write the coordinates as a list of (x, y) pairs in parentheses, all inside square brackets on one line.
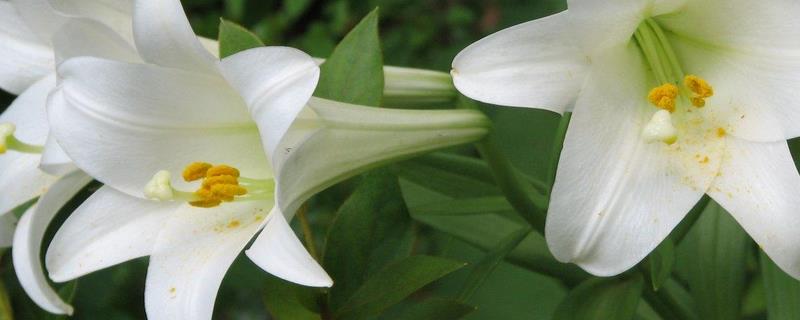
[(109, 228), (276, 83), (24, 58), (617, 197), (122, 122), (54, 160), (164, 37), (40, 17), (278, 251), (758, 185), (534, 64), (28, 242), (84, 37), (602, 24), (332, 141), (753, 91), (192, 254), (117, 14), (20, 178), (8, 222)]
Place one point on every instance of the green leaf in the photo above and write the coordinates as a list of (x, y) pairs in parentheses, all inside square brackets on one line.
[(394, 283), (287, 301), (451, 175), (354, 71), (372, 223), (6, 313), (487, 230), (435, 309), (672, 301), (717, 247), (603, 298), (660, 263), (234, 38), (781, 290), (488, 264)]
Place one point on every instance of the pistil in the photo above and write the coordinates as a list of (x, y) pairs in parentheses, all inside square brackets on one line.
[(9, 142)]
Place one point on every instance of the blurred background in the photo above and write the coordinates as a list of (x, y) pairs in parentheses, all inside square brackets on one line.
[(415, 33)]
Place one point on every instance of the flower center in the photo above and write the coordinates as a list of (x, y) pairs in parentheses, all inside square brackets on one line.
[(677, 93), (220, 183), (9, 142)]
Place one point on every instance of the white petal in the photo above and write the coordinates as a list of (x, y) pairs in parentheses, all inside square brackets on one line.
[(278, 251), (20, 178), (117, 14), (602, 24), (754, 92), (54, 160), (84, 37), (24, 58), (164, 37), (40, 17), (739, 25), (333, 141), (122, 122), (192, 254), (617, 197), (276, 83), (28, 112), (110, 227), (534, 64), (28, 242), (758, 185), (8, 222)]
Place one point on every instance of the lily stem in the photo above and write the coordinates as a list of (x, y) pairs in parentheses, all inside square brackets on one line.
[(526, 200), (308, 235)]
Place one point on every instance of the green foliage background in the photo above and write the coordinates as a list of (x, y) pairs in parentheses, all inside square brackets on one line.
[(428, 34)]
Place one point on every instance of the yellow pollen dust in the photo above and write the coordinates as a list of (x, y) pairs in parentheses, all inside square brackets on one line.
[(664, 96), (701, 89), (220, 184), (721, 132)]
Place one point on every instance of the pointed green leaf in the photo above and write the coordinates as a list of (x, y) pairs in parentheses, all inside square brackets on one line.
[(781, 290), (435, 309), (660, 263), (488, 264), (234, 38), (718, 248), (288, 301), (354, 71), (603, 298), (372, 222), (394, 283), (6, 313), (451, 175)]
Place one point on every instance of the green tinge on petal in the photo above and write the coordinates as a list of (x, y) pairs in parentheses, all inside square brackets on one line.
[(408, 87), (334, 141)]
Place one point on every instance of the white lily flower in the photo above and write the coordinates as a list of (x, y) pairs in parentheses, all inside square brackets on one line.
[(32, 164), (173, 108), (629, 173)]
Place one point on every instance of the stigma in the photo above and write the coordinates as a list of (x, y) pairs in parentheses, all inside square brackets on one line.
[(219, 184), (660, 128), (9, 142)]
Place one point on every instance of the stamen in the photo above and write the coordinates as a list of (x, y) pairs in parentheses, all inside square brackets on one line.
[(660, 128), (664, 96), (701, 89), (196, 171), (219, 184), (6, 131)]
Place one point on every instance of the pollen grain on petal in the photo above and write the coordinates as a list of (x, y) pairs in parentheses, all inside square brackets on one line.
[(721, 132), (664, 96), (196, 171)]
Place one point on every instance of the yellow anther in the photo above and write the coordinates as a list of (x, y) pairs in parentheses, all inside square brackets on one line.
[(701, 89), (216, 180), (205, 203), (664, 96), (226, 192), (222, 170), (196, 171)]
